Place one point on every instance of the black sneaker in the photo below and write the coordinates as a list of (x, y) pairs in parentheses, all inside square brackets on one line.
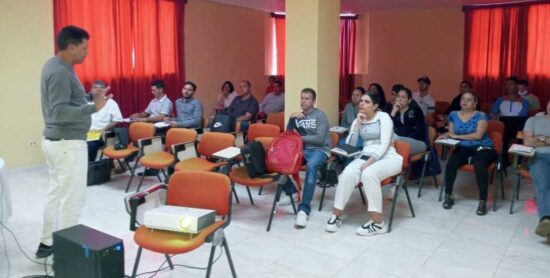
[(44, 251)]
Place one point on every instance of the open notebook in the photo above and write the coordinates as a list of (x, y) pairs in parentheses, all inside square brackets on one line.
[(346, 150), (447, 141), (522, 150)]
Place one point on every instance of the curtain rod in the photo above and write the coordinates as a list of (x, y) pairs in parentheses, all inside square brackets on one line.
[(503, 4), (344, 16)]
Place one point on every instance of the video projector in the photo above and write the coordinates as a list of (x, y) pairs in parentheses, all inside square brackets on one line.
[(179, 219)]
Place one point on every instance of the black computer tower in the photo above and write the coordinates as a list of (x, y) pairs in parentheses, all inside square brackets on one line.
[(83, 252)]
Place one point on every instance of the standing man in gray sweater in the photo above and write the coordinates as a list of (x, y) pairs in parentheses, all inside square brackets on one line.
[(67, 118), (312, 124)]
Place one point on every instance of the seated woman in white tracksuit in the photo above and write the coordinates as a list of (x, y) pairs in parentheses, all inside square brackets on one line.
[(379, 160)]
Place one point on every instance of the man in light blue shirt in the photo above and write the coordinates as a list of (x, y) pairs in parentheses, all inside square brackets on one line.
[(189, 109), (273, 102)]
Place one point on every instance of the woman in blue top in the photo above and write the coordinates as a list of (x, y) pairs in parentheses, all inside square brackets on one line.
[(470, 127)]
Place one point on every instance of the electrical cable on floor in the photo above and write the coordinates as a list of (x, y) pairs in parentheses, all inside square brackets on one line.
[(2, 227), (161, 268)]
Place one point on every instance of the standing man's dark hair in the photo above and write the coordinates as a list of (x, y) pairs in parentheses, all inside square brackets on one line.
[(71, 35), (67, 119)]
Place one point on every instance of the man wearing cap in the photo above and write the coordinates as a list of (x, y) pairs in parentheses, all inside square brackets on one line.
[(159, 107), (102, 120), (422, 97)]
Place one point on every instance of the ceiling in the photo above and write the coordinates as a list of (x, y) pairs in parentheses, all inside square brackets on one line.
[(362, 6)]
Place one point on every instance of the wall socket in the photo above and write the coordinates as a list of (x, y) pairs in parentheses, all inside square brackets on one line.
[(32, 144)]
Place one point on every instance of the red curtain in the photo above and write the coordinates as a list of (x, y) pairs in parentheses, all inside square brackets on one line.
[(131, 42), (280, 40), (347, 60), (506, 40)]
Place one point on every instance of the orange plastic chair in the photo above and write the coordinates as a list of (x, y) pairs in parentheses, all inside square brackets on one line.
[(403, 149), (262, 130), (276, 119), (240, 176), (165, 158), (210, 143), (195, 189), (136, 132), (496, 137), (496, 126)]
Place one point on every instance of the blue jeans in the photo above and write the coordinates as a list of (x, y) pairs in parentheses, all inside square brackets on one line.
[(539, 171), (314, 160), (245, 125)]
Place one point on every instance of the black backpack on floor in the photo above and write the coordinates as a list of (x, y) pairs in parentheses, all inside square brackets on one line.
[(254, 159), (99, 171)]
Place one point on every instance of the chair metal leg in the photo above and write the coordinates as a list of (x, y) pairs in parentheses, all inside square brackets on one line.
[(518, 186), (260, 191), (141, 180), (322, 197), (132, 174), (136, 263), (275, 200), (502, 186), (210, 260), (169, 261), (235, 192), (422, 176), (441, 192), (516, 194), (158, 177), (249, 195), (409, 199), (394, 202), (164, 173), (226, 247), (495, 196), (292, 203), (362, 194)]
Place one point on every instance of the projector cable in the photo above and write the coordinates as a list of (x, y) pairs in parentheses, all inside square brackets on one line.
[(161, 268)]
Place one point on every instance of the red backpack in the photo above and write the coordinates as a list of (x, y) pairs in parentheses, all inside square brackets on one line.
[(285, 155)]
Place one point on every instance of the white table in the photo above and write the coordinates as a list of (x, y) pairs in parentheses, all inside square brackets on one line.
[(5, 198)]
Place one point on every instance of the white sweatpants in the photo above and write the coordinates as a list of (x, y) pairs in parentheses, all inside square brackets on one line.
[(68, 170), (371, 177)]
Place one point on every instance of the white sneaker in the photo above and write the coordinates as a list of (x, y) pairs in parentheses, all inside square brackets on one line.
[(370, 228), (301, 220), (333, 223), (285, 201)]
